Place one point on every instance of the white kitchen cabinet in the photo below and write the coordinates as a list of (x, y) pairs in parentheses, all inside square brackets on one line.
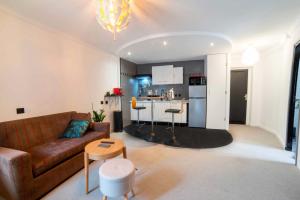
[(133, 114), (162, 75), (216, 91), (145, 114), (184, 114), (159, 111), (178, 75)]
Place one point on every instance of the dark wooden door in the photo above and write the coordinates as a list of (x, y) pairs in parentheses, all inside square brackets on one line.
[(238, 96)]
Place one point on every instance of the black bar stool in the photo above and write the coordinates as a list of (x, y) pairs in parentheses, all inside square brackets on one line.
[(138, 108), (173, 112)]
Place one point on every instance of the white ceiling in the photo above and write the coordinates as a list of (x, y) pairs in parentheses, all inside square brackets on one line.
[(187, 25)]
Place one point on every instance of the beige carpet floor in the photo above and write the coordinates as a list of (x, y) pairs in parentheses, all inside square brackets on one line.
[(253, 167)]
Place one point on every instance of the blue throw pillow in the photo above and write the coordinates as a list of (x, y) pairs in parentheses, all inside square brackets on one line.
[(76, 129)]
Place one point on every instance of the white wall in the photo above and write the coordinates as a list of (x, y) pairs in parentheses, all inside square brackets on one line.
[(271, 86), (279, 60), (46, 71), (276, 72), (269, 90), (276, 66)]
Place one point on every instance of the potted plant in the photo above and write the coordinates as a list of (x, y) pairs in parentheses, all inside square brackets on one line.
[(98, 117), (107, 94)]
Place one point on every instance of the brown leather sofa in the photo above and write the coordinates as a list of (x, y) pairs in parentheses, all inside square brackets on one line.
[(34, 158)]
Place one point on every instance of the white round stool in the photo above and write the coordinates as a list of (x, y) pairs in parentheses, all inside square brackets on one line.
[(116, 178)]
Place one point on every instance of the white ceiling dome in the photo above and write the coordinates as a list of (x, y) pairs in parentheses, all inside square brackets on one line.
[(174, 47), (229, 24)]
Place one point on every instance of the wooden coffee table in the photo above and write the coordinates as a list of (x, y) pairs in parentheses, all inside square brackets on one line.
[(93, 152)]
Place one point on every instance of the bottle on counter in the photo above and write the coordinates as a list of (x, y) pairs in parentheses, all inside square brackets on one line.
[(172, 93), (150, 93)]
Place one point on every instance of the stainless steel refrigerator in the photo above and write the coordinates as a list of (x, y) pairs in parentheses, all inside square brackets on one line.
[(197, 106)]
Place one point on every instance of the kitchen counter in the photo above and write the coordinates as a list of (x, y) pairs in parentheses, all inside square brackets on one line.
[(162, 101), (159, 107)]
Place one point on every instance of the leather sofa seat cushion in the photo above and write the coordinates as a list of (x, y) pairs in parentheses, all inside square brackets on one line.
[(48, 155)]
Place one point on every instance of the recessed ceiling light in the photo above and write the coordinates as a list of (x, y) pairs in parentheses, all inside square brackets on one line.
[(212, 44), (129, 53), (165, 43)]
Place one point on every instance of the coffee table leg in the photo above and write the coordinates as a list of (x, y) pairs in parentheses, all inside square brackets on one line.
[(86, 171), (124, 152)]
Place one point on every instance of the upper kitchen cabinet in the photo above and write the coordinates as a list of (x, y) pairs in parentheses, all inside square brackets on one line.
[(167, 74), (162, 75), (217, 86), (178, 75)]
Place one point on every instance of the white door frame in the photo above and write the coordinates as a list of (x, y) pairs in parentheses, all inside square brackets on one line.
[(249, 91)]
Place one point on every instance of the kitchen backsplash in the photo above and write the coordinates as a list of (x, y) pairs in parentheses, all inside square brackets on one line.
[(179, 90)]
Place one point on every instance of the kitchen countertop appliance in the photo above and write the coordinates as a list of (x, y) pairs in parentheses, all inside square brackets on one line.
[(197, 104)]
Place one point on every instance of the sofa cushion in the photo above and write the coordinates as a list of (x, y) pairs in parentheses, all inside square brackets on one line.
[(76, 128), (82, 116), (50, 154)]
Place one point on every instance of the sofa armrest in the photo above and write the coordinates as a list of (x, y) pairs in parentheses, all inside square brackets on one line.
[(101, 126), (16, 177)]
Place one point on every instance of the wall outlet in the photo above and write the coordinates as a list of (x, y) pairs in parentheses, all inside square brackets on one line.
[(20, 110)]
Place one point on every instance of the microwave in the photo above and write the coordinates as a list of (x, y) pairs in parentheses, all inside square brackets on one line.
[(197, 80)]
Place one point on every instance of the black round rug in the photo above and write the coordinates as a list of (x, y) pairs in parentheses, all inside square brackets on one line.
[(184, 136)]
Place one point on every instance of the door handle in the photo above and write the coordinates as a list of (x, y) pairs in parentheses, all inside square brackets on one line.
[(246, 97)]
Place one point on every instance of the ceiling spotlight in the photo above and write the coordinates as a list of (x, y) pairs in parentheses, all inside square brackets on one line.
[(165, 43), (129, 53), (212, 44)]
